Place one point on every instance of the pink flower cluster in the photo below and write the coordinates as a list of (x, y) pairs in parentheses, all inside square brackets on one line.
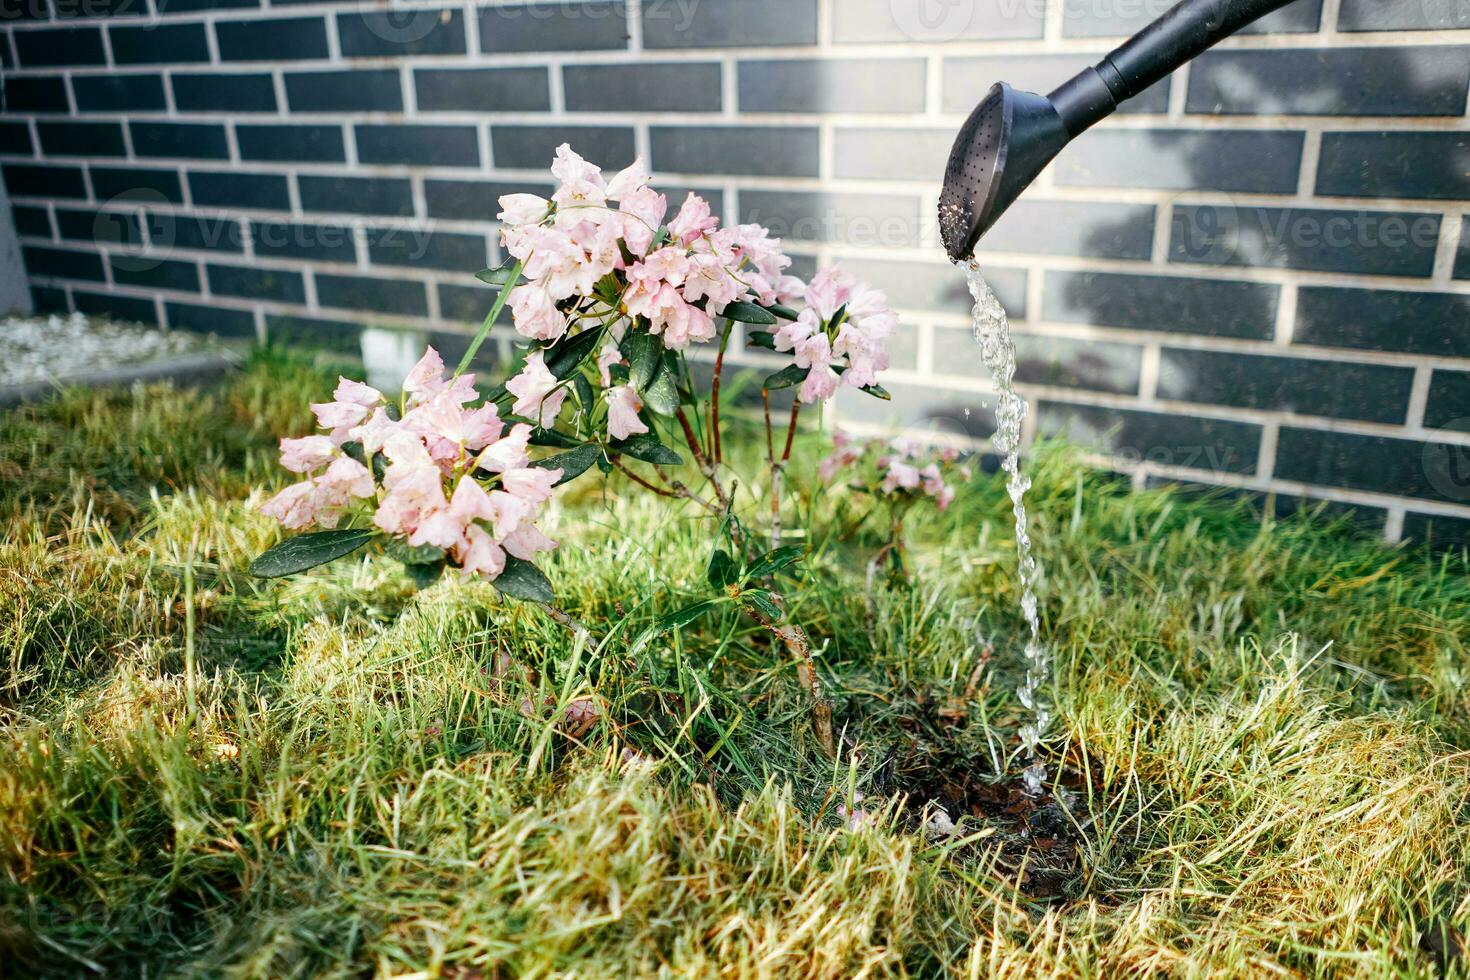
[(841, 336), (895, 467), (455, 477), (672, 284)]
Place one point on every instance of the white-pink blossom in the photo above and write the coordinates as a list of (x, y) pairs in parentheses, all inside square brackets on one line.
[(539, 395), (623, 405)]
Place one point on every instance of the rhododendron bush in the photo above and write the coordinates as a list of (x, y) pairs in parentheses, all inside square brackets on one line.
[(611, 289)]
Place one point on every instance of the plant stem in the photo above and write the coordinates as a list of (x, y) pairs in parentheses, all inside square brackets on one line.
[(474, 348), (570, 622), (714, 395), (778, 469), (701, 460), (190, 682), (675, 490), (797, 644)]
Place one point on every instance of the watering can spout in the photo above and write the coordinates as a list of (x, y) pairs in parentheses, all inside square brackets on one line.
[(1012, 135)]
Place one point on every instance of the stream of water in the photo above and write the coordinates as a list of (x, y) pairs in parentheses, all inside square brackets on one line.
[(993, 334)]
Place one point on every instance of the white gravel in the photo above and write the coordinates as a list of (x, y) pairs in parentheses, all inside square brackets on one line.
[(55, 347)]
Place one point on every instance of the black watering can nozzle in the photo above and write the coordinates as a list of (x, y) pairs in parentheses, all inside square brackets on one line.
[(1012, 135)]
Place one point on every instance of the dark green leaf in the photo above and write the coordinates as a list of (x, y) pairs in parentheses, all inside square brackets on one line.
[(523, 580), (548, 437), (877, 391), (567, 354), (645, 446), (774, 561), (308, 551), (355, 450), (424, 575), (761, 601), (584, 391), (784, 312), (760, 338), (498, 276), (572, 464), (747, 313), (682, 617), (786, 377), (643, 351), (662, 393), (423, 554), (722, 570)]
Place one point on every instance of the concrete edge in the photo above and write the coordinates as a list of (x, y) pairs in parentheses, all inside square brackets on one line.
[(189, 368)]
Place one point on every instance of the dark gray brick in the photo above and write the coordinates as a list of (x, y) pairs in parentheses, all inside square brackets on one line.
[(397, 296), (1386, 243), (233, 189), (195, 233), (467, 304), (32, 222), (223, 92), (73, 9), (31, 180), (763, 151), (1083, 228), (48, 300), (1085, 18), (1419, 81), (892, 153), (1056, 361), (937, 285), (1335, 389), (1245, 161), (889, 220), (99, 227), (131, 309), (1449, 401), (255, 282), (15, 138), (1213, 445), (57, 46), (1383, 319), (659, 87), (339, 336), (675, 194), (482, 89), (533, 147), (565, 26), (1353, 518), (132, 184), (1427, 165), (158, 44), (216, 320), (185, 141), (452, 347), (35, 93), (1437, 531), (750, 23), (119, 93), (283, 39), (304, 240), (473, 200), (190, 6), (309, 144), (418, 145), (76, 139), (399, 33), (1462, 254), (419, 247), (1403, 467), (982, 20), (1176, 304), (1385, 15), (150, 273), (356, 195), (372, 90), (62, 263), (848, 85), (966, 80)]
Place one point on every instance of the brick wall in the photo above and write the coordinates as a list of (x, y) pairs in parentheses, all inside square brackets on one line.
[(1256, 275)]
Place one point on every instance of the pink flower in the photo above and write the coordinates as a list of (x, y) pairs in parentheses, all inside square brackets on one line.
[(525, 541), (530, 483), (479, 555), (793, 332), (828, 291), (623, 406), (294, 507), (815, 354), (581, 182), (643, 210), (346, 478), (339, 417), (538, 393), (627, 181), (470, 502), (899, 475), (510, 510), (606, 358), (307, 453), (509, 452), (693, 220), (535, 313), (356, 393), (522, 209), (426, 378), (667, 264)]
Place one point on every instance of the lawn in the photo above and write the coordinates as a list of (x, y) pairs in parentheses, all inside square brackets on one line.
[(1258, 754)]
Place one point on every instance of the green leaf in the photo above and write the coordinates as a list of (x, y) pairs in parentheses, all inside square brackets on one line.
[(722, 570), (645, 446), (784, 312), (424, 575), (877, 391), (356, 451), (584, 391), (548, 437), (662, 393), (760, 338), (498, 276), (423, 554), (308, 551), (774, 561), (643, 351), (761, 601), (567, 354), (572, 464), (786, 377), (523, 580), (681, 617), (747, 313)]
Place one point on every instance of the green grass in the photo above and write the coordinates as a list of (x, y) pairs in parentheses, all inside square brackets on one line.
[(1261, 729)]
